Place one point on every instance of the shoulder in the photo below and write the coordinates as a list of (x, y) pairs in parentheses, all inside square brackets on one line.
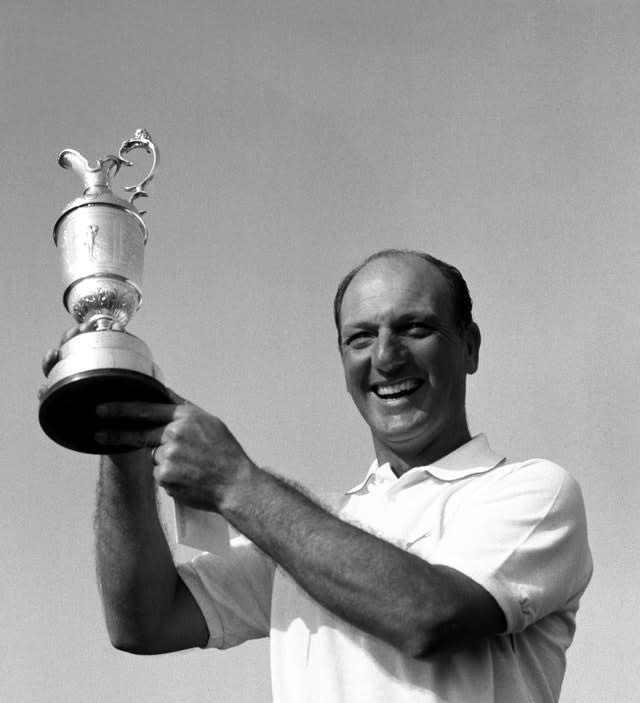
[(536, 487), (542, 473), (545, 488)]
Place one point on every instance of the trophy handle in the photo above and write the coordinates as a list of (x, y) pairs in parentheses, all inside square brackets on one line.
[(141, 140)]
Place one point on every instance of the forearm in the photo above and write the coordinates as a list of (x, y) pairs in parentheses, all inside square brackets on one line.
[(136, 573), (368, 582)]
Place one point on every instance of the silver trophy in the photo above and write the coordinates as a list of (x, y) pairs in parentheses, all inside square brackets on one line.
[(100, 238)]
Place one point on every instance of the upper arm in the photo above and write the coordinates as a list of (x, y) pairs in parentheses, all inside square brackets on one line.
[(219, 601), (474, 613), (185, 626), (182, 627)]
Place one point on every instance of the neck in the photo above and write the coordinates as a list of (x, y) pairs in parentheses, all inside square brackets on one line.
[(403, 458)]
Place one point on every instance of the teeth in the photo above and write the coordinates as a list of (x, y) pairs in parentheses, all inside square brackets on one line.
[(396, 388)]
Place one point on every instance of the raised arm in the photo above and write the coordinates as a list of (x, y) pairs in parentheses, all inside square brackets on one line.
[(385, 591), (148, 609)]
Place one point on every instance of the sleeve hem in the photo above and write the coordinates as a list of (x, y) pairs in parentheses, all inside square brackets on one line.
[(511, 603)]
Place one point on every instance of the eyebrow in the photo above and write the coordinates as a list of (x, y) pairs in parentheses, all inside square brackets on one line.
[(403, 319)]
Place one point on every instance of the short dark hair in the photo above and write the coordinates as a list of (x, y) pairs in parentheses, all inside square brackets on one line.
[(461, 299)]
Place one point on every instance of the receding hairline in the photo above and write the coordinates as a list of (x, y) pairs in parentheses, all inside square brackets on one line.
[(460, 299), (393, 255)]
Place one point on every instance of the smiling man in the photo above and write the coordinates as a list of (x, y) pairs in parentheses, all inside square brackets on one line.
[(449, 574), (406, 350)]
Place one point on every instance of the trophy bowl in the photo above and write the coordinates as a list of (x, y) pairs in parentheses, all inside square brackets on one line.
[(101, 240)]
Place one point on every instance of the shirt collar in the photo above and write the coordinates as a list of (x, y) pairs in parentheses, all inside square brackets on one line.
[(474, 457)]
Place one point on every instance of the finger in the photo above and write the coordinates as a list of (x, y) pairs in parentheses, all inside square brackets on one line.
[(159, 450), (155, 451), (76, 330), (175, 398), (49, 360), (69, 334), (155, 413), (138, 439), (173, 490)]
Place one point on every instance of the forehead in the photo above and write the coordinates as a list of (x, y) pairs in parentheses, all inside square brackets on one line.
[(394, 286)]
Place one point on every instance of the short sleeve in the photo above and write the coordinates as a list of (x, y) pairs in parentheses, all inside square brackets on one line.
[(522, 535), (233, 592)]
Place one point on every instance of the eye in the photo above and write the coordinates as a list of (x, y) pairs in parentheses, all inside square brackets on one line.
[(418, 329), (359, 340)]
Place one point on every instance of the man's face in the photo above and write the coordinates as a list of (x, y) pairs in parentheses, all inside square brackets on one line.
[(405, 360)]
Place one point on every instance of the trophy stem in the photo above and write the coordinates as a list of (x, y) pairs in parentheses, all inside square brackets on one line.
[(102, 323)]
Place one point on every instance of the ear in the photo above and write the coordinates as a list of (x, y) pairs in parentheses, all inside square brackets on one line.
[(341, 355), (472, 339)]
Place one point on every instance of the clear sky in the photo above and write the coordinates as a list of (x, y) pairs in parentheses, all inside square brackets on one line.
[(296, 138)]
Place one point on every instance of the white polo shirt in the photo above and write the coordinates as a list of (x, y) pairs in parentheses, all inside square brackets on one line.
[(518, 529)]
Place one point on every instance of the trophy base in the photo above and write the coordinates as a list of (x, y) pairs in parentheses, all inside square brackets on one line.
[(97, 367)]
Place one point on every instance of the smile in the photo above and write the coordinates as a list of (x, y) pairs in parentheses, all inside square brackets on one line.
[(391, 391)]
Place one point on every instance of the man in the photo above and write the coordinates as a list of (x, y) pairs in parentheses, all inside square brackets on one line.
[(448, 574)]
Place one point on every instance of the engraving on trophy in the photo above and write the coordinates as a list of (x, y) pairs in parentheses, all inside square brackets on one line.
[(92, 233)]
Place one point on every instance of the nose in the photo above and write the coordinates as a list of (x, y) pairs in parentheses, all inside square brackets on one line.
[(389, 352)]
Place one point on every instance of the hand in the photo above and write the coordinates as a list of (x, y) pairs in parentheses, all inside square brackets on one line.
[(197, 459), (52, 356)]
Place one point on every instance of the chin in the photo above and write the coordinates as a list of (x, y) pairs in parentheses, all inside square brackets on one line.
[(407, 438), (412, 424)]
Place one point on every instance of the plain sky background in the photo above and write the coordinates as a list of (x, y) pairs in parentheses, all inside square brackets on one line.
[(296, 138)]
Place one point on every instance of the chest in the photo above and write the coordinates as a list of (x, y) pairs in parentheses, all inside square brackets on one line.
[(414, 518)]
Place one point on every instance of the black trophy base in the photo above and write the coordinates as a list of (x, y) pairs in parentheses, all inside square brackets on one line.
[(68, 408)]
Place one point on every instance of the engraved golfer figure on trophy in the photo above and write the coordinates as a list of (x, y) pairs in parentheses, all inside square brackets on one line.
[(100, 239)]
